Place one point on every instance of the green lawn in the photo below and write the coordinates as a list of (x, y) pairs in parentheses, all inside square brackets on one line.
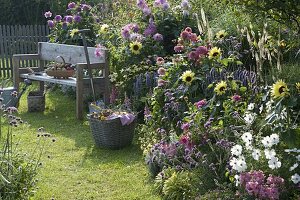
[(72, 167)]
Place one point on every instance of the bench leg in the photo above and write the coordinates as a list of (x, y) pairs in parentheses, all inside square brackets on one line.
[(79, 93)]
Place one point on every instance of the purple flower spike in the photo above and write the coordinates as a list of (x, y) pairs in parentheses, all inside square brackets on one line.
[(50, 24), (48, 14), (57, 18), (77, 18)]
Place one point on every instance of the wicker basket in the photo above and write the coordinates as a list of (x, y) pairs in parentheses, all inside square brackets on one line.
[(60, 70), (36, 101), (111, 134), (60, 73)]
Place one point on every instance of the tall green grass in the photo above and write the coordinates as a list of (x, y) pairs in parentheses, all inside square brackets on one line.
[(72, 167)]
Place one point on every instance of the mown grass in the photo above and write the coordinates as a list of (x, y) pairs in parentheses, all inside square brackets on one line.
[(72, 167)]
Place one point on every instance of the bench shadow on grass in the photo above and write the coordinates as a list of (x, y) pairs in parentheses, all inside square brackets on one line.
[(59, 119)]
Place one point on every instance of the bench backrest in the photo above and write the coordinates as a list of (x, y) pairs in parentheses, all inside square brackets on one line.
[(71, 53)]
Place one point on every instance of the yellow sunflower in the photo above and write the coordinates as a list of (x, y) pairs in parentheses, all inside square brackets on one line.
[(298, 87), (73, 32), (188, 77), (214, 53), (221, 34), (135, 47), (221, 88), (104, 28), (279, 89)]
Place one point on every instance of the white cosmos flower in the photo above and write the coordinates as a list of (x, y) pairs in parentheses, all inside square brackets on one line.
[(267, 142), (237, 180), (249, 146), (251, 106), (274, 138), (295, 178), (236, 150), (294, 167), (298, 157), (269, 153), (274, 163), (256, 154), (249, 117), (233, 162), (261, 108), (238, 164), (247, 137), (241, 165)]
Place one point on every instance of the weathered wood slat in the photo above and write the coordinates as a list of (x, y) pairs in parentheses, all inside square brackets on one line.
[(71, 53)]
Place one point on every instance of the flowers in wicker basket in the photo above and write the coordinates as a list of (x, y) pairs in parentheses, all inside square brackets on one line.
[(103, 114)]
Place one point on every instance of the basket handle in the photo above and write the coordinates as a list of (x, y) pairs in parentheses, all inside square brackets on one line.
[(61, 58)]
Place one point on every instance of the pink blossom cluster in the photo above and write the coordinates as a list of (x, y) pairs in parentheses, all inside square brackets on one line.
[(256, 185), (187, 37)]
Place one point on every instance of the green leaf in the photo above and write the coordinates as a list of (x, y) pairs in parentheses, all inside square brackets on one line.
[(292, 138)]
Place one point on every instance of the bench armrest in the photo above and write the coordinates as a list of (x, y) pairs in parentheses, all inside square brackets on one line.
[(26, 56)]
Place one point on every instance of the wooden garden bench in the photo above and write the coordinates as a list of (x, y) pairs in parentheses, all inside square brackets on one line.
[(73, 55)]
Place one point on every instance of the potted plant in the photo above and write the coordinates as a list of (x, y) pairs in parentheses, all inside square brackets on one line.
[(112, 128)]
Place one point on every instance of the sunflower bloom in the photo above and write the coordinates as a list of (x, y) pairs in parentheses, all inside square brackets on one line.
[(279, 89), (221, 35), (221, 88), (73, 32), (104, 28), (188, 77), (298, 87), (214, 53), (135, 47)]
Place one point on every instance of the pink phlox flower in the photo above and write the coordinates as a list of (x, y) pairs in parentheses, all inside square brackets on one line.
[(160, 61), (185, 126), (202, 50), (161, 71), (236, 98), (98, 52), (161, 82), (185, 35), (178, 48), (48, 14), (201, 103), (194, 37), (193, 55)]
